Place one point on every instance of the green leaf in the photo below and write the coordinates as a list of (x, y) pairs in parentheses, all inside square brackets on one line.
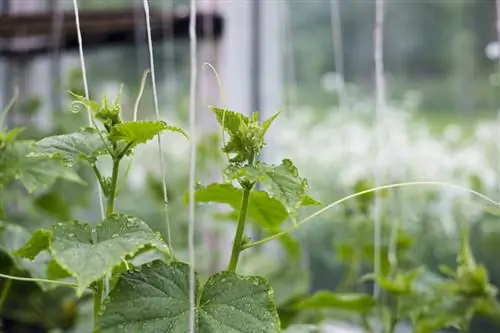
[(155, 299), (401, 284), (309, 201), (346, 302), (134, 133), (9, 136), (282, 181), (71, 245), (22, 161), (85, 145), (108, 114), (246, 135), (14, 236), (266, 212), (230, 120), (39, 241), (267, 123)]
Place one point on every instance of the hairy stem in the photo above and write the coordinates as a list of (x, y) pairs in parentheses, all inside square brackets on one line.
[(110, 206), (98, 298), (237, 248), (99, 179), (110, 209)]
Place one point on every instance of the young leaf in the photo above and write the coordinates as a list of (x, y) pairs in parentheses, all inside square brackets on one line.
[(85, 145), (246, 135), (266, 212), (108, 114), (157, 301), (402, 284), (72, 246), (282, 181), (267, 123), (230, 120), (136, 132), (309, 201), (472, 279), (360, 303), (14, 236)]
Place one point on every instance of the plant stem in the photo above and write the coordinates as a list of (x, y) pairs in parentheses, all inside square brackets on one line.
[(110, 207), (100, 179), (5, 289), (98, 299), (237, 248), (366, 324)]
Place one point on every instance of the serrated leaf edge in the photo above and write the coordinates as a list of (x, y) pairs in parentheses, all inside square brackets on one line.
[(81, 287)]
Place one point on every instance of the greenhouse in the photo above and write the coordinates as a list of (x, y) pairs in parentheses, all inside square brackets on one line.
[(249, 166)]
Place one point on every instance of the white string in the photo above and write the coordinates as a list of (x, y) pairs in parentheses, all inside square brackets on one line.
[(192, 163), (288, 55), (157, 111), (336, 26), (86, 89), (379, 109)]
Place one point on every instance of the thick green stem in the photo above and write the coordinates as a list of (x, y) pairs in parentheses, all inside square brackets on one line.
[(237, 248), (110, 207), (392, 327), (98, 299)]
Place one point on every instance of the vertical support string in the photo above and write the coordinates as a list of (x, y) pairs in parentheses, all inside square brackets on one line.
[(336, 26), (90, 120), (86, 88), (192, 162), (288, 55), (379, 109), (157, 112)]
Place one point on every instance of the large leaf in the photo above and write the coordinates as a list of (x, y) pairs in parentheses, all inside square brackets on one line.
[(136, 132), (155, 299), (86, 145), (266, 212), (21, 160), (73, 248), (345, 302)]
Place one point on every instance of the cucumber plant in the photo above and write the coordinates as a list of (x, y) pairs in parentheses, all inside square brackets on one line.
[(99, 259), (153, 296)]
